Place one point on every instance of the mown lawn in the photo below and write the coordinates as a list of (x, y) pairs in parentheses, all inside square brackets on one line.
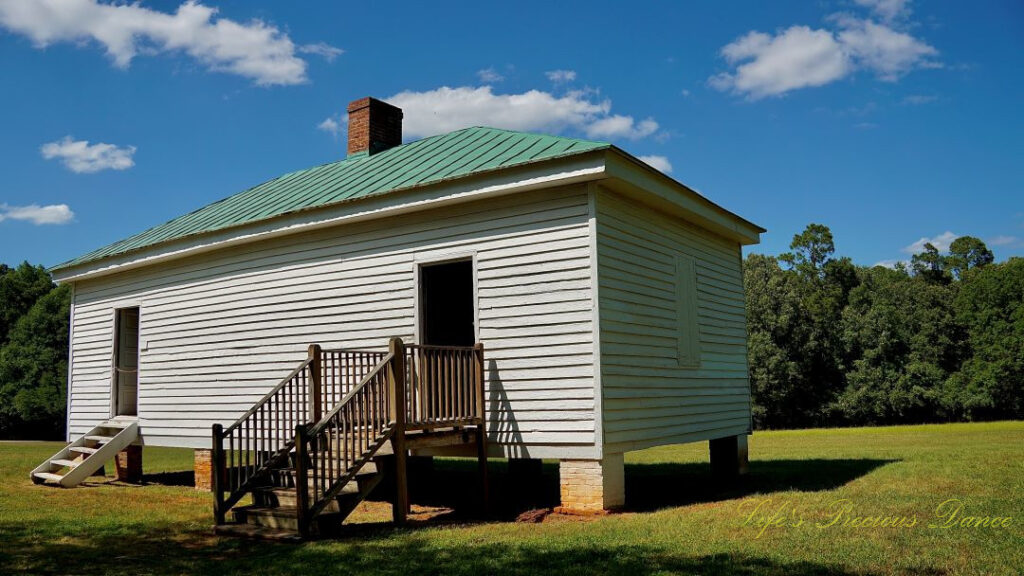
[(678, 521)]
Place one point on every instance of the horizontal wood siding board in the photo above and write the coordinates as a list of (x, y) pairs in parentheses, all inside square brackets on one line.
[(649, 396), (218, 331)]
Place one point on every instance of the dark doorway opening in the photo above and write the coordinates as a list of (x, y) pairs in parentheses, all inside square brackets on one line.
[(447, 305), (126, 363)]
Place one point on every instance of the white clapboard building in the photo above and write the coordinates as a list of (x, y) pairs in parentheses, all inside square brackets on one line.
[(600, 301)]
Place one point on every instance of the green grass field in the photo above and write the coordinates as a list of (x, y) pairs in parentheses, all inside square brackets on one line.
[(884, 484)]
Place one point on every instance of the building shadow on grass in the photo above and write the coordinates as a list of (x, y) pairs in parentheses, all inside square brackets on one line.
[(453, 483), (176, 550), (182, 478)]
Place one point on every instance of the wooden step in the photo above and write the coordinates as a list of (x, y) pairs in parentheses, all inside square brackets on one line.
[(285, 497), (48, 476), (283, 518), (64, 463), (119, 424), (368, 469), (83, 450), (100, 439)]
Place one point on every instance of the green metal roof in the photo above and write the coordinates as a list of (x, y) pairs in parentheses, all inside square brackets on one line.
[(427, 161)]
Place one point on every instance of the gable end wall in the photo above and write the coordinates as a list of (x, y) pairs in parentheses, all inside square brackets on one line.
[(650, 395)]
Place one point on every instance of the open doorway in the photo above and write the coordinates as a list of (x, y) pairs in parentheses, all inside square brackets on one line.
[(447, 304), (126, 363)]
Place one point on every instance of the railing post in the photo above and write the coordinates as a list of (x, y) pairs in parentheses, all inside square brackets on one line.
[(301, 481), (481, 428), (315, 383), (217, 471), (396, 392)]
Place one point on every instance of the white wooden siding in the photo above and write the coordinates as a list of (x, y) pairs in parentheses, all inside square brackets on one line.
[(650, 395), (218, 330)]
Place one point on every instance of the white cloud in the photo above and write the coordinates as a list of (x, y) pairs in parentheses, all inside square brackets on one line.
[(658, 162), (489, 75), (884, 51), (321, 49), (36, 214), (941, 242), (889, 263), (800, 57), (887, 10), (333, 125), (561, 76), (1003, 240), (772, 65), (253, 49), (619, 126), (445, 109), (81, 157)]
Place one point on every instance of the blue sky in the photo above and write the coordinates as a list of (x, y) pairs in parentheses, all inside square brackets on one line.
[(889, 121)]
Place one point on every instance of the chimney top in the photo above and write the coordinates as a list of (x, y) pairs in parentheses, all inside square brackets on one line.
[(373, 126)]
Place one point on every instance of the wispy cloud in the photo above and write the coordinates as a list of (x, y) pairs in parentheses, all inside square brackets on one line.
[(561, 76), (81, 157), (887, 10), (445, 109), (797, 57), (659, 162), (489, 75), (36, 214), (1003, 240), (940, 241), (254, 49), (321, 49), (918, 99), (888, 263)]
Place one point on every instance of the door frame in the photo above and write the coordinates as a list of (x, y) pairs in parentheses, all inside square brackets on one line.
[(430, 259), (115, 339)]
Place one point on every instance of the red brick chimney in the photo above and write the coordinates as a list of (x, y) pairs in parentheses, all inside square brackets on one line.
[(373, 126)]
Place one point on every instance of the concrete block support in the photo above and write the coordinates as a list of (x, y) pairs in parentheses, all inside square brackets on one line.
[(129, 464), (592, 486), (729, 456), (203, 466)]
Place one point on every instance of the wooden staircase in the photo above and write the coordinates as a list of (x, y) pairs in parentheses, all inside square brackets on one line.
[(87, 454), (274, 513), (302, 471)]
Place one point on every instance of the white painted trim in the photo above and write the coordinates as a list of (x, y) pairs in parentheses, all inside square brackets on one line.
[(431, 258), (592, 215), (71, 366), (572, 170)]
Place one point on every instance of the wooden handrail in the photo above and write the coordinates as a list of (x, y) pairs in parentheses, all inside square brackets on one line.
[(330, 452), (445, 386), (317, 427), (374, 397), (266, 398)]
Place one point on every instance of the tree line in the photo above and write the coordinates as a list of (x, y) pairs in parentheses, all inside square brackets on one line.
[(34, 316), (830, 343)]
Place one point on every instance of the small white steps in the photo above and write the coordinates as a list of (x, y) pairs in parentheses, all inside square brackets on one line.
[(87, 454)]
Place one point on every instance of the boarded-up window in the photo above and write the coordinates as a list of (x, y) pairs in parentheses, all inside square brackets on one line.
[(688, 348)]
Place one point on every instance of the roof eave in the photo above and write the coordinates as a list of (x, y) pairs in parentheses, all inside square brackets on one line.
[(558, 171), (656, 188)]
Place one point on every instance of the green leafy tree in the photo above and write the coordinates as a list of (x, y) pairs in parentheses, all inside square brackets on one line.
[(903, 341), (967, 253), (930, 265), (19, 289), (990, 303), (33, 370)]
